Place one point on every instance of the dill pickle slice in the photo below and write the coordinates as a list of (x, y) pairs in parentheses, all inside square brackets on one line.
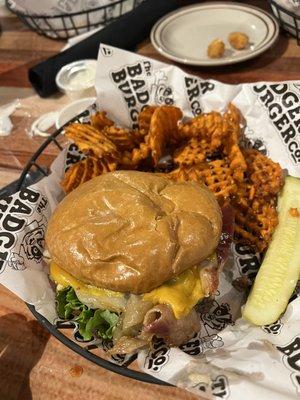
[(280, 270)]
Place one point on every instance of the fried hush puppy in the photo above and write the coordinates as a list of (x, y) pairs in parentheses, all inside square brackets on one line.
[(238, 40), (216, 49)]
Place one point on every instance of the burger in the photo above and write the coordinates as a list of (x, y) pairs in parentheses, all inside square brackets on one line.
[(132, 255)]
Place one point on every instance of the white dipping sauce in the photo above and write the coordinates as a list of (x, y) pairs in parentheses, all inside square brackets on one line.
[(77, 79)]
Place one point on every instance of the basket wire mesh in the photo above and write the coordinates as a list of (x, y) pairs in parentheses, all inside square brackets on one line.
[(65, 26), (288, 21), (106, 364)]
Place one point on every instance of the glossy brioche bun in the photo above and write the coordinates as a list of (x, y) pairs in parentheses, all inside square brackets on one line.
[(131, 231)]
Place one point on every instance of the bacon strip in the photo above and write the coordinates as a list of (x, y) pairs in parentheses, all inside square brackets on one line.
[(160, 321), (210, 279), (210, 273), (223, 248)]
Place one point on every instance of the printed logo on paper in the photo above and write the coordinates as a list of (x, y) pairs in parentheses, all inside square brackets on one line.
[(249, 141), (106, 51), (218, 317), (273, 329), (119, 359), (283, 105), (32, 245), (73, 156), (140, 86), (219, 387), (20, 240), (291, 359), (214, 320), (195, 88), (296, 293), (160, 92), (198, 345), (247, 260), (158, 356)]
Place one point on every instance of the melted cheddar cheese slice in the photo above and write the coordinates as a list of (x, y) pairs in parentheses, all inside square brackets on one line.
[(64, 279), (181, 293)]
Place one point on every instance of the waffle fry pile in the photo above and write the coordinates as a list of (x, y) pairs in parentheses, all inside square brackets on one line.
[(204, 149)]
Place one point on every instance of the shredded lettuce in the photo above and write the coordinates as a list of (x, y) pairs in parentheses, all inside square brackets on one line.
[(92, 323)]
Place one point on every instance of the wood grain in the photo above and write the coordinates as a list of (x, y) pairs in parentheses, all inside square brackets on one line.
[(34, 365)]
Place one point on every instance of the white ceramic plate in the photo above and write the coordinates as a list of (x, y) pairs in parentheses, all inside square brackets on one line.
[(185, 34)]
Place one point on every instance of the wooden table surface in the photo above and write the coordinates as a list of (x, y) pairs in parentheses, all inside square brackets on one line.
[(34, 365)]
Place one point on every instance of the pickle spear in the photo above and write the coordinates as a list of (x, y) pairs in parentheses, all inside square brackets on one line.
[(280, 270)]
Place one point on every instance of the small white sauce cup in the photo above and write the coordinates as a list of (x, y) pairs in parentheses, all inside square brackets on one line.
[(73, 109), (77, 79)]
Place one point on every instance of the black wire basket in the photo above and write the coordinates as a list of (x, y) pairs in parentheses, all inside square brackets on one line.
[(288, 21), (124, 369), (32, 173), (65, 26)]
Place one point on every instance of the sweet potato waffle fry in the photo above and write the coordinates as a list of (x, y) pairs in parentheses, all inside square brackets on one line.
[(234, 116), (193, 152), (206, 149), (255, 200), (85, 170), (91, 141), (100, 120), (144, 119), (133, 159), (124, 139), (212, 133), (207, 127), (215, 174), (265, 175), (235, 156), (232, 126), (254, 226), (185, 173), (163, 129)]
